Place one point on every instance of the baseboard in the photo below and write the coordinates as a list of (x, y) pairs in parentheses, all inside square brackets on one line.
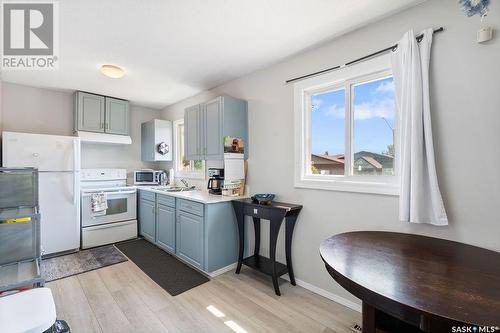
[(223, 270), (331, 296)]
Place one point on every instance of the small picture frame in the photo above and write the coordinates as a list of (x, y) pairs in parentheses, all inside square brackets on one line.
[(233, 145)]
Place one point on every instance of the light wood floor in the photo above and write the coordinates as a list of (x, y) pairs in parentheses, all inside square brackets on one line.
[(122, 298)]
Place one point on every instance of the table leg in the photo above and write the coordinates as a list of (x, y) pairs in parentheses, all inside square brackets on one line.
[(256, 227), (289, 225), (369, 324), (240, 217), (274, 229)]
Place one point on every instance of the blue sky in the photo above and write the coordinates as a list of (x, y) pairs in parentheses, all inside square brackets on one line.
[(373, 102)]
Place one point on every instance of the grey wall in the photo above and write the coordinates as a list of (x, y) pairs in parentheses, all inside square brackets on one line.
[(36, 110), (122, 156), (466, 117), (29, 109)]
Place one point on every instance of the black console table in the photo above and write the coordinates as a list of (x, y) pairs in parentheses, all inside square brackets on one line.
[(275, 212)]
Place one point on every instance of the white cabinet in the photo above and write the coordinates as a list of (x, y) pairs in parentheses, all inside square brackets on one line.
[(156, 140)]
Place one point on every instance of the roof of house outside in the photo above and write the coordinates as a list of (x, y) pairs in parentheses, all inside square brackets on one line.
[(379, 161), (328, 159), (373, 162)]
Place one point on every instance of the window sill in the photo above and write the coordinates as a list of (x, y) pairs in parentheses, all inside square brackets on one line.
[(348, 185), (190, 175)]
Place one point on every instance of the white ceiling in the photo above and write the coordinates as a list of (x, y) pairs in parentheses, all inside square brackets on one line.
[(172, 49)]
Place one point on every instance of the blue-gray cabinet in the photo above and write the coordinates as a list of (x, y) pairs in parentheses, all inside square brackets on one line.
[(154, 133), (166, 228), (193, 132), (203, 235), (206, 125), (189, 238), (101, 114), (214, 147), (89, 112), (147, 218), (117, 120), (220, 233)]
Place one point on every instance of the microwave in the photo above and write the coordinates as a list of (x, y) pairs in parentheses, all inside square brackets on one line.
[(149, 177)]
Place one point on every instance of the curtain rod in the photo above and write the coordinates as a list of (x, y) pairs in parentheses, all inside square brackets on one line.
[(390, 48)]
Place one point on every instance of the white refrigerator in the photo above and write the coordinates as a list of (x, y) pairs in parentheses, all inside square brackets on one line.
[(58, 161)]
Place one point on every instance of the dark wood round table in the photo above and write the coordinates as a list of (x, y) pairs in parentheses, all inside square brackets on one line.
[(415, 282)]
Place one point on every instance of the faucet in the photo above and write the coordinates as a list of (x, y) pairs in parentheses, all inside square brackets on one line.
[(183, 181)]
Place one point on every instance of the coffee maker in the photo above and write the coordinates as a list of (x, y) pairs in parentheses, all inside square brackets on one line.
[(215, 180)]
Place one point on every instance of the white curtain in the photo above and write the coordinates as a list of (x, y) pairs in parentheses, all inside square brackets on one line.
[(420, 199)]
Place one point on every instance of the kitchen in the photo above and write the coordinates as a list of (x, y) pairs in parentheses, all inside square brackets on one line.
[(118, 220), (162, 172), (195, 224)]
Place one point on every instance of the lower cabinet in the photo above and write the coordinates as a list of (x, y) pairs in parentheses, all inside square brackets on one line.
[(189, 236), (147, 218), (165, 227), (202, 235)]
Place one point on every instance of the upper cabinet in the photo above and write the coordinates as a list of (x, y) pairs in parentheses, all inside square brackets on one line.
[(206, 125), (117, 120), (213, 145), (101, 114), (89, 112), (192, 132), (156, 140)]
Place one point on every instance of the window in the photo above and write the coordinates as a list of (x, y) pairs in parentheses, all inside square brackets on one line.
[(184, 168), (346, 130)]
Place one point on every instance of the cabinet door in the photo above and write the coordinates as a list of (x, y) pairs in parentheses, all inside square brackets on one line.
[(147, 227), (165, 227), (189, 238), (89, 112), (117, 116), (214, 146), (147, 141), (192, 132)]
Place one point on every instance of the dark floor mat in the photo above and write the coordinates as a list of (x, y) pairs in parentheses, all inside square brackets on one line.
[(170, 273)]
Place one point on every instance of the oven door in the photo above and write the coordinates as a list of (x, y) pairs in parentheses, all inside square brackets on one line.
[(121, 207)]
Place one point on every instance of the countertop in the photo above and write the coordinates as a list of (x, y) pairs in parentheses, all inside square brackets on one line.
[(193, 195)]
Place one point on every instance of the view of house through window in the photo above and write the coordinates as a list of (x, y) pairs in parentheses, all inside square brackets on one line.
[(371, 118), (373, 136), (328, 132), (183, 166)]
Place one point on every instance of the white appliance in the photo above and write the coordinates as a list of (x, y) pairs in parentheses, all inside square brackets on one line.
[(150, 177), (58, 161), (119, 221)]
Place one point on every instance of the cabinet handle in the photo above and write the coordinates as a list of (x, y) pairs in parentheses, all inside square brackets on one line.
[(102, 125)]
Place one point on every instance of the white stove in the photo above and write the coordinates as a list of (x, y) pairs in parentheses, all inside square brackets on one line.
[(116, 223)]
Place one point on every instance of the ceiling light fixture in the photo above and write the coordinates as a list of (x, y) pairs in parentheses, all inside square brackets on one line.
[(112, 71)]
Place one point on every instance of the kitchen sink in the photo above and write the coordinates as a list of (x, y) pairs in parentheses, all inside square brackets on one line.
[(177, 189)]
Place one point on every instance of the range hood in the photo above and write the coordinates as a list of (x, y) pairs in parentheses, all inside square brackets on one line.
[(91, 137)]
